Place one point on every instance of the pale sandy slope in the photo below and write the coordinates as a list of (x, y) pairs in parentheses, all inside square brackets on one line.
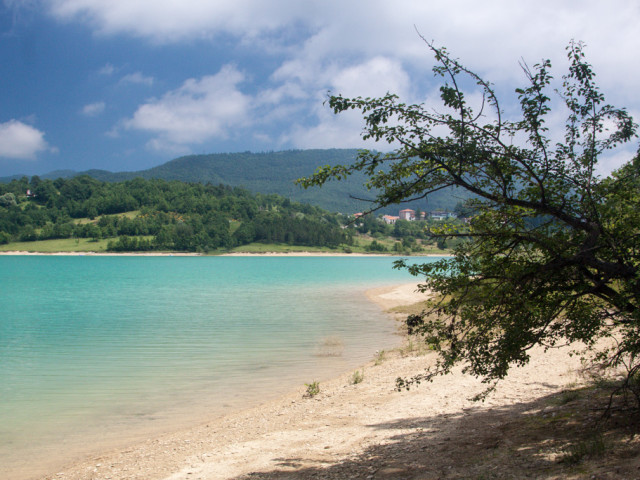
[(366, 430)]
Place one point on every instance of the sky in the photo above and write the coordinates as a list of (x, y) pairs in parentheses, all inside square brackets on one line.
[(124, 85)]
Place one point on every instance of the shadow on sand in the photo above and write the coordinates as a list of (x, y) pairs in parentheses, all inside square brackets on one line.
[(555, 437)]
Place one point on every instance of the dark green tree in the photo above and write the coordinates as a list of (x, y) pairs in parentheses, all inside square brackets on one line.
[(553, 255)]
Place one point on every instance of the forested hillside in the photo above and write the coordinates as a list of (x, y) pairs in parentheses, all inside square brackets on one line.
[(141, 215), (274, 172)]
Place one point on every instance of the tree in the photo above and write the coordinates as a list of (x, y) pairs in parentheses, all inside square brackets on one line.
[(8, 200), (553, 255)]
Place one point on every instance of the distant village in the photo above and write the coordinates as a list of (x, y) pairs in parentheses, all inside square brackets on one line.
[(412, 215)]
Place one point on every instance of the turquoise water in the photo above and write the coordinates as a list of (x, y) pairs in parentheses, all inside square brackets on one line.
[(97, 351)]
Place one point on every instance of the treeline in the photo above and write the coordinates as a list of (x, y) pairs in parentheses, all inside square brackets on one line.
[(160, 215), (274, 172)]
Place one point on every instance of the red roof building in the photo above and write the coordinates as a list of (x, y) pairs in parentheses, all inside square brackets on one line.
[(407, 214)]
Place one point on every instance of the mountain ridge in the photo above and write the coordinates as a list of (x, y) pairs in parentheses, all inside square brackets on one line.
[(270, 173)]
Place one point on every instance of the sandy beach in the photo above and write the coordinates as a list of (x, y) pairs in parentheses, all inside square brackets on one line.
[(365, 430)]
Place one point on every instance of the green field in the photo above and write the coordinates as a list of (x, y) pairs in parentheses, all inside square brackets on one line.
[(58, 245), (280, 248), (71, 245)]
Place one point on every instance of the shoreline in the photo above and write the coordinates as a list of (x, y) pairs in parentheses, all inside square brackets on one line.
[(170, 426), (231, 254), (99, 254), (336, 433)]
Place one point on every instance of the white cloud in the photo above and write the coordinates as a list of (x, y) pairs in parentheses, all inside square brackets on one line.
[(107, 70), (487, 35), (201, 109), (614, 160), (21, 141), (372, 78), (172, 20), (167, 147), (329, 131), (137, 78), (93, 109), (357, 49)]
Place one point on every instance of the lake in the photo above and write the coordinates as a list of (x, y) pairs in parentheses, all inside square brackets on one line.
[(99, 351)]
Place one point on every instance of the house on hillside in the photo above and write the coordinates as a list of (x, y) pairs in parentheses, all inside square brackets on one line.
[(438, 215), (441, 215), (389, 219), (407, 214)]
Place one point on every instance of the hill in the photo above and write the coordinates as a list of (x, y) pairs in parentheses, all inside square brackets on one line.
[(271, 172)]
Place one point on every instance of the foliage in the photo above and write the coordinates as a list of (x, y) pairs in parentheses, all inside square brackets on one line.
[(172, 215), (374, 246), (553, 255), (357, 377), (380, 357), (265, 173), (313, 389), (8, 200)]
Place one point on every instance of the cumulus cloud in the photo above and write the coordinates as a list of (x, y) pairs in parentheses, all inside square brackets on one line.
[(21, 141), (321, 128), (489, 37), (328, 131), (199, 110), (345, 48), (93, 109), (170, 20), (137, 78), (477, 31), (372, 78)]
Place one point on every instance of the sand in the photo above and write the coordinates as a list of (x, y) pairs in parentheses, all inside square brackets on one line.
[(365, 430)]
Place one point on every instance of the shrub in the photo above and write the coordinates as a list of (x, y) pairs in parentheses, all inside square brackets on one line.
[(313, 389)]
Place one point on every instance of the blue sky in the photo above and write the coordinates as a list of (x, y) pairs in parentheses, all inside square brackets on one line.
[(129, 84)]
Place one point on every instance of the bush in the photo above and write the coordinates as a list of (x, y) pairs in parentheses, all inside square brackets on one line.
[(357, 377), (313, 389)]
